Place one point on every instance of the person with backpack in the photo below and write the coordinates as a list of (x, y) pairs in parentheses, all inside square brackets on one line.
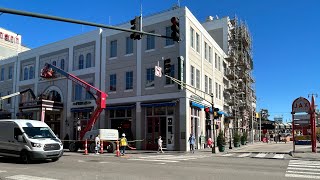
[(192, 141)]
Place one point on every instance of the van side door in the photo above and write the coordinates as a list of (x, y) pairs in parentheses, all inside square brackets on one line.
[(7, 141)]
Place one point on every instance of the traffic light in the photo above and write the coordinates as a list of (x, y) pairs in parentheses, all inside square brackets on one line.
[(215, 113), (175, 29), (207, 110), (167, 67), (136, 23)]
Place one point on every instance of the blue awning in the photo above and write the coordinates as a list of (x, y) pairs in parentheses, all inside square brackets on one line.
[(197, 105), (158, 104), (120, 107), (82, 109), (223, 113)]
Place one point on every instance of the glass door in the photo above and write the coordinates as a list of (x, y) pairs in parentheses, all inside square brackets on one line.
[(170, 133)]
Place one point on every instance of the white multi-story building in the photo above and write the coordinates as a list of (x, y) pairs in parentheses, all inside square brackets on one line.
[(139, 104)]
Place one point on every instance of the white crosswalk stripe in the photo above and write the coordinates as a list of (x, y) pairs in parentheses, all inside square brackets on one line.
[(261, 155), (168, 158), (245, 155), (278, 156), (26, 177), (2, 171), (226, 155), (254, 155), (303, 169)]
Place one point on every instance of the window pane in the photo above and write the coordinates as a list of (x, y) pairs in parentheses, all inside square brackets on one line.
[(31, 72), (168, 80), (88, 60), (129, 80), (81, 61), (150, 41), (198, 79), (129, 45), (160, 110), (170, 110), (168, 33), (113, 82), (113, 48), (150, 77), (192, 76), (25, 73), (149, 111), (62, 64)]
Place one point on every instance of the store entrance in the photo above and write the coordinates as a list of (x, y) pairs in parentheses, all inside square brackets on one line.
[(53, 119), (156, 126)]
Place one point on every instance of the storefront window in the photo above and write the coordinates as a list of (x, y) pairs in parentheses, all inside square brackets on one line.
[(149, 111), (170, 110), (129, 112), (160, 111), (111, 113), (120, 113)]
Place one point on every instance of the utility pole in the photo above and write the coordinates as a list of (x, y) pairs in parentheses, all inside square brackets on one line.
[(260, 125), (214, 148)]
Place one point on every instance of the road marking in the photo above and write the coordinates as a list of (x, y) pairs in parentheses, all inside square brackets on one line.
[(302, 172), (2, 171), (302, 176), (278, 156), (226, 155), (26, 177), (157, 156), (303, 169), (261, 155), (104, 162), (245, 155), (155, 160), (80, 161)]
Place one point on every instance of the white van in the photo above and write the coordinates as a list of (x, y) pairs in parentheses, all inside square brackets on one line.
[(29, 140)]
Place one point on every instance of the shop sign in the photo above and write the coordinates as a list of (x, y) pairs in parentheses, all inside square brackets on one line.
[(196, 98), (81, 103), (300, 105)]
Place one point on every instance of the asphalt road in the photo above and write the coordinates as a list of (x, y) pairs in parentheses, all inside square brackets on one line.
[(149, 166)]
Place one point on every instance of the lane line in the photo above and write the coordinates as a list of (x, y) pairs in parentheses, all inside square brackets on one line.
[(26, 177), (261, 155), (278, 156), (302, 172), (2, 171), (304, 169), (302, 176), (155, 160), (226, 155), (303, 165), (244, 155)]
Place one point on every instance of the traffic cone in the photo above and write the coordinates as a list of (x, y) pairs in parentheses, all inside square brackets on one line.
[(101, 147), (86, 148), (118, 151)]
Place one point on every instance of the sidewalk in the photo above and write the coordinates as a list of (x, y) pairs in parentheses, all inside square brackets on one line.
[(306, 153)]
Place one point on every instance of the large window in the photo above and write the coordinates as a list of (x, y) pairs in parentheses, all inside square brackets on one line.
[(206, 51), (150, 41), (9, 99), (210, 54), (2, 74), (150, 77), (113, 48), (206, 83), (198, 78), (54, 63), (191, 37), (81, 61), (217, 90), (129, 45), (216, 60), (31, 72), (10, 72), (219, 63), (113, 82), (192, 76), (62, 64), (168, 33), (25, 73), (198, 42), (88, 60), (210, 85), (78, 92), (88, 95), (129, 80), (168, 80)]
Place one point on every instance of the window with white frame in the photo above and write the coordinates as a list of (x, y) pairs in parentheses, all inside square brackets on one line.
[(192, 76), (2, 74), (129, 45), (206, 51), (31, 72), (25, 73), (150, 41), (113, 48), (198, 78), (210, 85), (81, 62), (88, 60), (216, 60), (168, 33), (10, 72), (168, 80), (210, 54), (206, 83), (219, 63), (150, 77), (192, 37), (198, 42), (113, 82), (129, 80), (217, 90)]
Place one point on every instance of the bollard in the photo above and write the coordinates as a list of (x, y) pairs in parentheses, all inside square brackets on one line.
[(118, 151), (101, 147), (86, 148)]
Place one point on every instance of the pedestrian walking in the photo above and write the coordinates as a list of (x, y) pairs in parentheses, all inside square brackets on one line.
[(97, 141), (192, 141), (209, 143), (160, 145), (123, 144)]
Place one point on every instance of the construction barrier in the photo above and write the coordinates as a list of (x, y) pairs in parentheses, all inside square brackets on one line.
[(86, 148), (101, 147), (118, 151)]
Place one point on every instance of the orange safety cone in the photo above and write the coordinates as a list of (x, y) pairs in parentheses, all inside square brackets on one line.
[(101, 147), (118, 151), (86, 148)]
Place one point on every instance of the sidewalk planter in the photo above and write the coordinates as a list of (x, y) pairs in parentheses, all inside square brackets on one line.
[(244, 139), (221, 142), (236, 140)]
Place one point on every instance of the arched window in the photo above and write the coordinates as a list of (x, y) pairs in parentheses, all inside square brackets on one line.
[(54, 63), (88, 60), (31, 72), (6, 37), (1, 35), (11, 39), (81, 61), (62, 64), (17, 41), (25, 73)]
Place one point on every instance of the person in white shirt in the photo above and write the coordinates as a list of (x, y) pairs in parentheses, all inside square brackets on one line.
[(97, 140), (160, 145)]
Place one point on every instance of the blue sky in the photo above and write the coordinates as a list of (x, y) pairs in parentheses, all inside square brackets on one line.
[(286, 36)]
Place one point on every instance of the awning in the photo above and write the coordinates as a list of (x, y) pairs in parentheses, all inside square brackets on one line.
[(196, 105), (120, 107), (82, 109), (223, 113), (158, 104)]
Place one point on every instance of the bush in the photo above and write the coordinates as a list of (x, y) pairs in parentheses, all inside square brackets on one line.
[(221, 140), (236, 138), (244, 139)]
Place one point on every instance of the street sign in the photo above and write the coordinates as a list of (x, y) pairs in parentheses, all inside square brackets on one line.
[(157, 71), (302, 117), (300, 105), (301, 122)]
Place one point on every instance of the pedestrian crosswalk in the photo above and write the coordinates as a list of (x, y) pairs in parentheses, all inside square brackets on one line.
[(168, 158), (303, 169), (254, 155)]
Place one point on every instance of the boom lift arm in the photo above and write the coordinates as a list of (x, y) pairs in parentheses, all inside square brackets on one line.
[(49, 71), (16, 94)]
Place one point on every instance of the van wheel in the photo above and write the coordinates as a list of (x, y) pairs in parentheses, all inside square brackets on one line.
[(54, 159), (24, 157), (73, 147), (92, 148)]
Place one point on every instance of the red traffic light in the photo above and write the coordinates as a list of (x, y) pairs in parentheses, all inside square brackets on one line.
[(206, 109)]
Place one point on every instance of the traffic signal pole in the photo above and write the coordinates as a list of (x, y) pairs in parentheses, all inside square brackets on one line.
[(214, 148)]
